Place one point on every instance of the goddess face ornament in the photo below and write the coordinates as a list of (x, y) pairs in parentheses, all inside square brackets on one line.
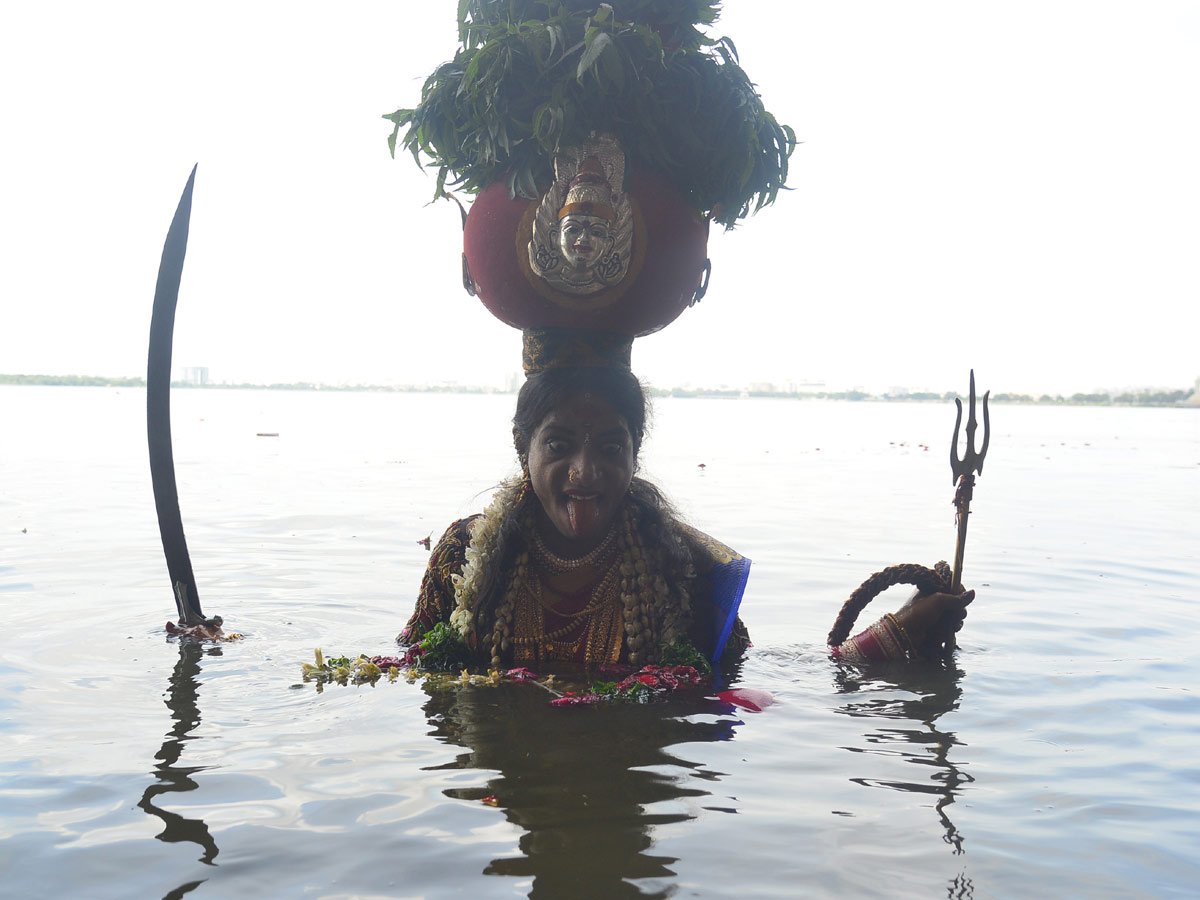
[(582, 237), (583, 240)]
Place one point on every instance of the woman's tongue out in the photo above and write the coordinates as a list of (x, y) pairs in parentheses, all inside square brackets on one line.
[(584, 512)]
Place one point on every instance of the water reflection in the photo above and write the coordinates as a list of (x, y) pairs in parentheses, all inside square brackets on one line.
[(914, 697), (181, 700), (578, 782)]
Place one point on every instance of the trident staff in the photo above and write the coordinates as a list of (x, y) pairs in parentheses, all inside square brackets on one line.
[(964, 470), (941, 578)]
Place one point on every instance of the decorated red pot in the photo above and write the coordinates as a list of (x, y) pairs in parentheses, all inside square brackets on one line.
[(596, 252)]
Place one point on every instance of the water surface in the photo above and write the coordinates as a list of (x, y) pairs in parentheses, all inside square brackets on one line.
[(1057, 757)]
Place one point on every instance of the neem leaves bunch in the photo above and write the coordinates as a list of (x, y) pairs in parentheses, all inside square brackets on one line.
[(534, 76)]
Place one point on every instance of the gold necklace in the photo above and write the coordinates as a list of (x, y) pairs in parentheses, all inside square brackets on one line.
[(531, 616), (559, 564)]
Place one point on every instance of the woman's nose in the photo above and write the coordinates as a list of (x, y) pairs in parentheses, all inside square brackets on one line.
[(585, 468)]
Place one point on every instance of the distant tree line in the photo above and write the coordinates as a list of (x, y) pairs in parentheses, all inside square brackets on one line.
[(74, 380), (1142, 398), (1128, 398), (104, 381)]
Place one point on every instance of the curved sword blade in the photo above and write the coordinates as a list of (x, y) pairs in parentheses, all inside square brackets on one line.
[(158, 411)]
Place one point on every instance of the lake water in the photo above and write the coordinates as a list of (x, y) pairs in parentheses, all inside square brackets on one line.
[(1059, 757)]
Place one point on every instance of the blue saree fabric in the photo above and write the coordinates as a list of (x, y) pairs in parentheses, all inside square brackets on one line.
[(727, 572)]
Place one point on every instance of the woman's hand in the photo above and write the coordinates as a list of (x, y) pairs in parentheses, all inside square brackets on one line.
[(930, 619), (208, 630)]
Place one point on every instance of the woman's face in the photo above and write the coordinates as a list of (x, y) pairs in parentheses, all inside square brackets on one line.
[(581, 460)]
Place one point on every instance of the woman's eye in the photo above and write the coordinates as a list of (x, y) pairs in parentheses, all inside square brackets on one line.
[(612, 448), (556, 445)]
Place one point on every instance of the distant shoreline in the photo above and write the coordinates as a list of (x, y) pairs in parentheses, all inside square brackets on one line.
[(1176, 398)]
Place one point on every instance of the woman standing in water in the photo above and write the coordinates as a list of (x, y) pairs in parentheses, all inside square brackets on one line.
[(589, 227), (579, 561)]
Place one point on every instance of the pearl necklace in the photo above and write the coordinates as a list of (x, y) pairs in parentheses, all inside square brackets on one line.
[(557, 563)]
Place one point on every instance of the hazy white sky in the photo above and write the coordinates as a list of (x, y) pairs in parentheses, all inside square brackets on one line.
[(1010, 186)]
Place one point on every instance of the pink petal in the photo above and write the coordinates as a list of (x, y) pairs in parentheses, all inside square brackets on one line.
[(747, 698)]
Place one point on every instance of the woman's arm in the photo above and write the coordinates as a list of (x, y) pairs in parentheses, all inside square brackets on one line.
[(914, 632)]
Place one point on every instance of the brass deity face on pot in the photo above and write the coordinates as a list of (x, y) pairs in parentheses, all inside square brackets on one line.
[(582, 240), (582, 235)]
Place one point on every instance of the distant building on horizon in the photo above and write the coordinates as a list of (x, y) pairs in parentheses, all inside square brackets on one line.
[(1194, 400), (194, 375)]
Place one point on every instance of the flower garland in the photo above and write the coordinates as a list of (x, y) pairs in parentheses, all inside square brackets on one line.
[(501, 638), (650, 682), (655, 617), (484, 533), (637, 597)]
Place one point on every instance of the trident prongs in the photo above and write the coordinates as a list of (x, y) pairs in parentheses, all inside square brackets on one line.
[(964, 478), (972, 460)]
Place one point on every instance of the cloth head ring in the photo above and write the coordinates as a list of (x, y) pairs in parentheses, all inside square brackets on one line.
[(556, 348)]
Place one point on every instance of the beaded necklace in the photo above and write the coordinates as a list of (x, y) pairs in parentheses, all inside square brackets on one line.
[(559, 564)]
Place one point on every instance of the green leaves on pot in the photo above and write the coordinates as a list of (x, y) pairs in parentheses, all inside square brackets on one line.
[(535, 76)]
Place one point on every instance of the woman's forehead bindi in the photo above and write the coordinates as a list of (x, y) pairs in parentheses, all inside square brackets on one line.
[(586, 414)]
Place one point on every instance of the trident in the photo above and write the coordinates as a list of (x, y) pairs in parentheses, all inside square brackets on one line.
[(964, 477), (935, 579)]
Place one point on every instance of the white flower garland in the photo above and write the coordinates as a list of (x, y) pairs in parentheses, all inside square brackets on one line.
[(484, 532)]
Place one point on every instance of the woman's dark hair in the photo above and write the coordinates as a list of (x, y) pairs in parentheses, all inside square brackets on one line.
[(544, 391)]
